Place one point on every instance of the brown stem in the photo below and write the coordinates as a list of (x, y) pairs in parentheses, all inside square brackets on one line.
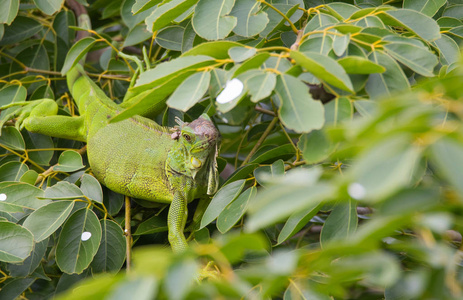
[(264, 111), (128, 235)]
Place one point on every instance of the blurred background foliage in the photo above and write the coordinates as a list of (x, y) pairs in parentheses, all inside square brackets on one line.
[(341, 157)]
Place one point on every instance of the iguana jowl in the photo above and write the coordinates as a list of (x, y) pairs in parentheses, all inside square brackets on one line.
[(136, 156)]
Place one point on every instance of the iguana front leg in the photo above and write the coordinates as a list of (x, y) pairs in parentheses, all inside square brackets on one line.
[(178, 213)]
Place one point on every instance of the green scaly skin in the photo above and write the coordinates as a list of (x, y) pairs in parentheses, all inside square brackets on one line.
[(135, 157)]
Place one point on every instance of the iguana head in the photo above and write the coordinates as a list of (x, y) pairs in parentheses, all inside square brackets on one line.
[(201, 141)]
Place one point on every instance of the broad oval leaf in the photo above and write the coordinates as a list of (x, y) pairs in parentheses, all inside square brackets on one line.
[(416, 58), (49, 7), (315, 146), (325, 68), (446, 155), (69, 161), (78, 242), (360, 65), (18, 196), (9, 11), (12, 171), (261, 86), (111, 253), (16, 242), (190, 91), (250, 19), (235, 210), (21, 29), (428, 7), (297, 221), (63, 190), (12, 139), (298, 111), (91, 188), (171, 38), (392, 80), (210, 20), (77, 51), (341, 223), (266, 174), (166, 13), (47, 219), (223, 197), (416, 22)]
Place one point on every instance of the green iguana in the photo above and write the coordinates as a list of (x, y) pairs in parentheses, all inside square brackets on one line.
[(135, 157)]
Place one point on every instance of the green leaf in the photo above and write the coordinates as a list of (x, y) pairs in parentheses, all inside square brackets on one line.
[(318, 44), (152, 225), (223, 197), (130, 19), (265, 174), (416, 22), (63, 190), (111, 252), (383, 169), (181, 278), (251, 64), (137, 35), (338, 110), (39, 141), (360, 65), (341, 223), (298, 111), (250, 19), (269, 154), (241, 173), (341, 10), (340, 44), (167, 70), (167, 12), (297, 221), (287, 7), (240, 54), (69, 161), (315, 146), (9, 11), (18, 196), (210, 20), (16, 242), (235, 210), (416, 58), (47, 219), (141, 288), (12, 171), (14, 287), (31, 263), (143, 5), (171, 38), (12, 139), (216, 49), (21, 29), (449, 52), (270, 205), (77, 52), (78, 242), (325, 68), (446, 154), (260, 86), (91, 188), (454, 11), (49, 7), (427, 7), (320, 20), (392, 80), (29, 177), (190, 91)]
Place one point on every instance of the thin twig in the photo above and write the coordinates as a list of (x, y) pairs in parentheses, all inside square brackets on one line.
[(261, 140)]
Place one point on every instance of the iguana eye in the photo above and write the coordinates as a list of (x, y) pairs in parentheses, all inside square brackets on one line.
[(186, 137)]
